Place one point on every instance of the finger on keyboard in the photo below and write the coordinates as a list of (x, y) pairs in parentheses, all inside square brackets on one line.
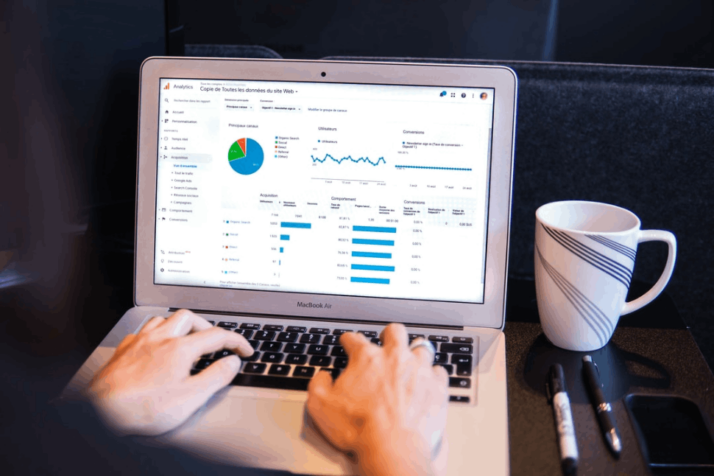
[(215, 339), (394, 337)]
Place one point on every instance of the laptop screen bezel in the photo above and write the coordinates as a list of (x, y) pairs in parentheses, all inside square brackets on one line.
[(490, 313)]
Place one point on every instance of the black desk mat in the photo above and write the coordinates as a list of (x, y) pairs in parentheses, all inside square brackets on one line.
[(661, 359)]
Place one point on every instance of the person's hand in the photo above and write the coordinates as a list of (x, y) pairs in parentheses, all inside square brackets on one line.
[(388, 407), (146, 387)]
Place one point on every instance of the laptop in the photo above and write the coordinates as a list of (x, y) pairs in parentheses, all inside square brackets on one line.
[(292, 201)]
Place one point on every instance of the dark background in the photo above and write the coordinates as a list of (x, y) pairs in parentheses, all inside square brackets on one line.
[(68, 119)]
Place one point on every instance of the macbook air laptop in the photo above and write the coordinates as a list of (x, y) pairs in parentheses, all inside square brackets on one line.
[(292, 201)]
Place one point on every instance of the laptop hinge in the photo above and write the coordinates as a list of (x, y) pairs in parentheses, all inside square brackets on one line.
[(319, 319)]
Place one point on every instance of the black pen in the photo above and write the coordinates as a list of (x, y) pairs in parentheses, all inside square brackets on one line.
[(563, 419), (603, 410)]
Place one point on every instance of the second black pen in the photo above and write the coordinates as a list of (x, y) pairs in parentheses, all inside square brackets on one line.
[(603, 409)]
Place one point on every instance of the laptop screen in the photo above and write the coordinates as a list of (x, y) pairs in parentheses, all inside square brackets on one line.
[(339, 189)]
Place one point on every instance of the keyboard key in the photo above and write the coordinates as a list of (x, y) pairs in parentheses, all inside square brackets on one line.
[(247, 333), (440, 358), (463, 340), (294, 348), (223, 353), (334, 372), (270, 381), (339, 332), (461, 359), (459, 382), (287, 337), (202, 364), (264, 335), (463, 370), (228, 325), (254, 368), (449, 368), (340, 362), (319, 330), (318, 349), (254, 343), (252, 358), (248, 325), (457, 348), (331, 340), (310, 338), (297, 359), (376, 341), (438, 338), (279, 370), (415, 336), (271, 346), (306, 372), (459, 398), (320, 361), (368, 333), (272, 327), (299, 329), (273, 357), (338, 351)]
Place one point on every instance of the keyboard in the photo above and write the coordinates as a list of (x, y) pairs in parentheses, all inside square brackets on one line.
[(287, 357)]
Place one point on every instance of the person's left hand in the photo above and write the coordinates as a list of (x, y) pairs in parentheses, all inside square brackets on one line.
[(146, 387)]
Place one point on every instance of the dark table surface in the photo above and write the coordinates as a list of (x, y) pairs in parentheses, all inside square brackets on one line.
[(50, 327), (651, 353)]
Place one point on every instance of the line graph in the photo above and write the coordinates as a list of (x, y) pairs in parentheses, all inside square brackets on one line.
[(349, 157)]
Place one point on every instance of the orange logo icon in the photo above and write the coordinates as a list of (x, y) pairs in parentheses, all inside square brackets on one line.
[(167, 86)]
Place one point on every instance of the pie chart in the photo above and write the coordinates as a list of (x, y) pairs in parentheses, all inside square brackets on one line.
[(245, 156)]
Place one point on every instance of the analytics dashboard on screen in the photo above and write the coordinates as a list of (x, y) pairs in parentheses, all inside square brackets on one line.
[(338, 189)]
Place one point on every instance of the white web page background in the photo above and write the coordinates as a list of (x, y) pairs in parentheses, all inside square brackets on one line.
[(362, 190)]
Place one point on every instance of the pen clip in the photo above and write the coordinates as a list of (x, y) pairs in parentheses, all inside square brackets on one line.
[(548, 394)]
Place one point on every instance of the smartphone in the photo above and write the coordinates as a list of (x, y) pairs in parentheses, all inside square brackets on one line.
[(673, 434)]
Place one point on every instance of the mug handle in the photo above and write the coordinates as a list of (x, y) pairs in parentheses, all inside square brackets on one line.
[(649, 296)]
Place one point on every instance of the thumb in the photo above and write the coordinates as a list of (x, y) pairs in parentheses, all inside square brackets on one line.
[(198, 390), (319, 388), (329, 418), (318, 392), (216, 376)]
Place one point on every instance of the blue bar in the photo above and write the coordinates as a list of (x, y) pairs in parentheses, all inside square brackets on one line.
[(367, 254), (290, 224), (284, 237), (369, 280), (361, 241), (375, 229), (369, 267), (281, 249)]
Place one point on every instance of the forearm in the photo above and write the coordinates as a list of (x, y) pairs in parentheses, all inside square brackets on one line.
[(397, 454), (389, 463)]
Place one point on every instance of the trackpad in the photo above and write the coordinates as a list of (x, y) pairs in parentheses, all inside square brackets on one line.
[(260, 432)]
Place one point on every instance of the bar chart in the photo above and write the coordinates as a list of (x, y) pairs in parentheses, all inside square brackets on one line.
[(368, 266)]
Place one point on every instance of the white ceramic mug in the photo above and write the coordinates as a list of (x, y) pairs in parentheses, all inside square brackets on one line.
[(584, 257)]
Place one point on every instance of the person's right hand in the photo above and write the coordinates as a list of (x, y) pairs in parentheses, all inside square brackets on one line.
[(388, 407)]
